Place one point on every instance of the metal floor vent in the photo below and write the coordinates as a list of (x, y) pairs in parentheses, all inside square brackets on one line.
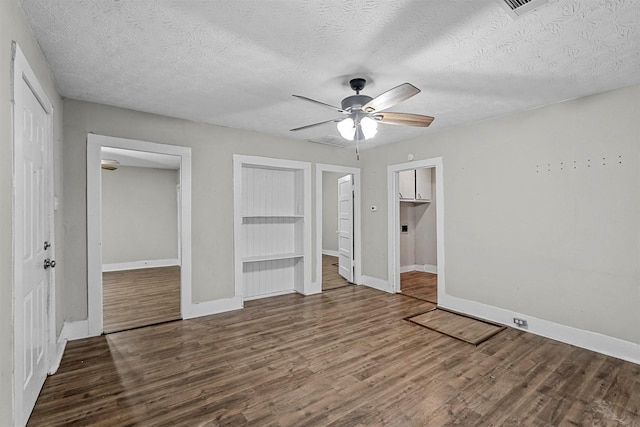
[(517, 8)]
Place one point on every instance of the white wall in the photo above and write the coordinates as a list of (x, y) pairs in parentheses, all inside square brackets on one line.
[(425, 229), (139, 214), (13, 27), (330, 210), (212, 190), (526, 228), (418, 245), (408, 239)]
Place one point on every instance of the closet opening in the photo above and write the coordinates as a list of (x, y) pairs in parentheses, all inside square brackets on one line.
[(416, 229)]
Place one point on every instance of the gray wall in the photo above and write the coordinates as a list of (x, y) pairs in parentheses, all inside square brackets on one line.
[(212, 190), (526, 228), (139, 214), (330, 210), (13, 26)]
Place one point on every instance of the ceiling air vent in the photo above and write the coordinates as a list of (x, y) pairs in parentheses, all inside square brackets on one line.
[(337, 141), (517, 8)]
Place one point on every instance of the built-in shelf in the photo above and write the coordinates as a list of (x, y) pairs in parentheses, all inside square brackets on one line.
[(273, 226), (273, 257)]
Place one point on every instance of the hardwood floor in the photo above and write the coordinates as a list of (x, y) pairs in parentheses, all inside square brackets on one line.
[(341, 358), (420, 285), (331, 279), (135, 298)]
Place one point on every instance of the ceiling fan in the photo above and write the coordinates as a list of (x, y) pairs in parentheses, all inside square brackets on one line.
[(364, 112)]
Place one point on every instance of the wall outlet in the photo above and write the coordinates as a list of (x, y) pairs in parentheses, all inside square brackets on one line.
[(521, 323)]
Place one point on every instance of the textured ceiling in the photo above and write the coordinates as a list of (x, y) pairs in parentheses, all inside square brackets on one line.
[(237, 63)]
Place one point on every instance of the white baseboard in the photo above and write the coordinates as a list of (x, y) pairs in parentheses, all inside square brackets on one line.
[(427, 268), (70, 331), (594, 341), (315, 288), (375, 283), (208, 308), (330, 252), (137, 265), (270, 294)]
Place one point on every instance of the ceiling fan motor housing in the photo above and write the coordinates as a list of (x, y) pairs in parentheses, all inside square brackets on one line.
[(355, 102)]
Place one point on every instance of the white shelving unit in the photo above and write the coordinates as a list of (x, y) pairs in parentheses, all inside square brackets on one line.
[(272, 226), (415, 185)]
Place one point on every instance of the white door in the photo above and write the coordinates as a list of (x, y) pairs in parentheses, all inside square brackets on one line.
[(345, 227), (33, 214)]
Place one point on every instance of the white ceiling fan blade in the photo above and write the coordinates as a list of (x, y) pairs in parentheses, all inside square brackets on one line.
[(339, 110), (316, 124), (391, 97)]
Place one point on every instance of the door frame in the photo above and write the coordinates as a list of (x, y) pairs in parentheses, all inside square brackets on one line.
[(94, 221), (357, 244), (22, 72), (393, 205)]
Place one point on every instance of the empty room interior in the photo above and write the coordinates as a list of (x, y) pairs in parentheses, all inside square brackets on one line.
[(341, 212)]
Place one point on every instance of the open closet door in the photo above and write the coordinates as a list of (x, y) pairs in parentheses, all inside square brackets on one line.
[(345, 227)]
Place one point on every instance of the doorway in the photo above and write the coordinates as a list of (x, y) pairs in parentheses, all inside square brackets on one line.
[(140, 245), (416, 229), (338, 246), (120, 257)]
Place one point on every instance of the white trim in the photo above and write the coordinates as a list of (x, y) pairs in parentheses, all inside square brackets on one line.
[(379, 284), (427, 268), (315, 288), (137, 265), (393, 232), (270, 294), (238, 162), (208, 308), (22, 72), (357, 217), (594, 341), (70, 331), (94, 220), (329, 251)]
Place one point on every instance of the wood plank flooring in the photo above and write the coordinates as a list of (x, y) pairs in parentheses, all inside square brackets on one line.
[(135, 298), (421, 285), (340, 358), (331, 278)]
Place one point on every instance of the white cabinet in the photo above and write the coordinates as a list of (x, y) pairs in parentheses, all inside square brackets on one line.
[(415, 185), (423, 184), (407, 185), (273, 229)]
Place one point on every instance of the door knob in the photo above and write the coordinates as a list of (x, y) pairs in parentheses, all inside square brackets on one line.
[(49, 263), (47, 245)]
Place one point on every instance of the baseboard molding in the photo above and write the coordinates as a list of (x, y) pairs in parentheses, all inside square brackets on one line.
[(375, 283), (593, 341), (330, 252), (315, 288), (70, 331), (208, 308), (137, 265), (427, 268), (270, 294)]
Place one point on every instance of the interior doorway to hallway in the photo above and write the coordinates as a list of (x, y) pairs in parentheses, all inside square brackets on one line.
[(338, 247)]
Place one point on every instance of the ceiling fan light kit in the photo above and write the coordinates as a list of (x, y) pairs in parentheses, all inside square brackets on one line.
[(364, 112)]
